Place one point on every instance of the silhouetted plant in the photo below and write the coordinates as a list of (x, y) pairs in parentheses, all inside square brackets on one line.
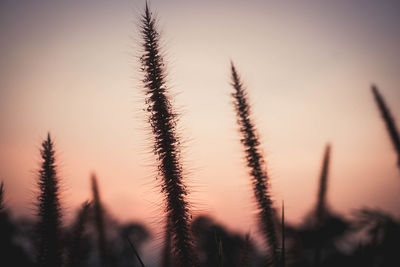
[(76, 250), (383, 231), (256, 163), (163, 121), (11, 252), (215, 245), (49, 210), (316, 240), (321, 209), (99, 223), (389, 121)]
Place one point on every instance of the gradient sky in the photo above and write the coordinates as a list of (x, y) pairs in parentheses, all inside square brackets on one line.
[(71, 68)]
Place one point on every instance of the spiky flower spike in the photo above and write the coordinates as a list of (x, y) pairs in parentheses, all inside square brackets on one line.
[(389, 121), (99, 222), (256, 163), (320, 211), (75, 254), (49, 210), (166, 142)]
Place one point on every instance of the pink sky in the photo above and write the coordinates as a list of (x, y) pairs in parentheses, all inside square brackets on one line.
[(72, 69)]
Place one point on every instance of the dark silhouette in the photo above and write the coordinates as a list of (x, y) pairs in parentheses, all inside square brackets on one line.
[(383, 232), (244, 252), (137, 235), (49, 210), (163, 121), (216, 246), (389, 121), (77, 251), (315, 242), (99, 223), (256, 164), (321, 211), (136, 253), (11, 252), (321, 208)]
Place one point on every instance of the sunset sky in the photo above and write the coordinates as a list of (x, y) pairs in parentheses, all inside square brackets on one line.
[(71, 68)]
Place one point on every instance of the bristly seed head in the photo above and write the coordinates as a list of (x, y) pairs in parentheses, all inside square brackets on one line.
[(163, 122), (255, 162), (49, 210)]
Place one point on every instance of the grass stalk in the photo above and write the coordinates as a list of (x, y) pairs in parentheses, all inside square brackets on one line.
[(256, 164), (389, 121), (99, 223), (323, 186), (163, 121), (74, 257), (49, 209)]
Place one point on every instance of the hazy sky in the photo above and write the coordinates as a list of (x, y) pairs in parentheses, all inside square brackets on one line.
[(71, 67)]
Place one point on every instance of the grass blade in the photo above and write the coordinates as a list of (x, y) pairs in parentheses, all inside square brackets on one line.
[(135, 252)]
